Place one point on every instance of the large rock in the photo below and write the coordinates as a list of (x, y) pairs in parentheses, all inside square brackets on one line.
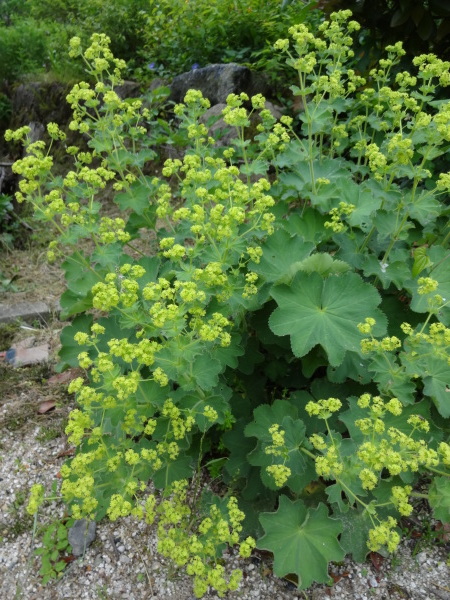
[(81, 535), (216, 82), (41, 102)]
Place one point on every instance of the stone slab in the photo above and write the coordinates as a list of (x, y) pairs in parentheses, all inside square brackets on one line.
[(22, 357), (25, 311)]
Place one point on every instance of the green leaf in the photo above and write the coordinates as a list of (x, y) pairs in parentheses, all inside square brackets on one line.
[(266, 415), (440, 271), (425, 207), (79, 278), (173, 471), (239, 446), (397, 272), (229, 355), (313, 310), (435, 373), (356, 525), (108, 255), (392, 379), (60, 566), (73, 303), (421, 260), (69, 348), (309, 225), (205, 370), (322, 263), (352, 367), (137, 197), (439, 498), (281, 253), (365, 202), (303, 541)]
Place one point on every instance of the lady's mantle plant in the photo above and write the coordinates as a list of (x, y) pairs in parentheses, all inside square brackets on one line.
[(276, 310)]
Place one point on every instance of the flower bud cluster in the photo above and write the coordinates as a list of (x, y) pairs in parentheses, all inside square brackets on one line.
[(323, 409), (194, 545), (336, 214)]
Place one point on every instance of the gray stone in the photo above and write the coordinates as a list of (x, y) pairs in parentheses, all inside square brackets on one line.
[(128, 89), (25, 311), (81, 535), (216, 82), (40, 102)]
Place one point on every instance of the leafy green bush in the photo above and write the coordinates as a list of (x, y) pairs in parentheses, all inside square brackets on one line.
[(23, 50), (121, 20), (423, 25), (289, 330), (181, 34)]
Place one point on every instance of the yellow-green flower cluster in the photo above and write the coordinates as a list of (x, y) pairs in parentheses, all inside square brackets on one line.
[(113, 230), (333, 44), (36, 498), (196, 548), (234, 113), (384, 535), (427, 285), (180, 426), (278, 447), (80, 489), (323, 409), (367, 326), (386, 344), (399, 498), (77, 425), (330, 465), (280, 474), (336, 214)]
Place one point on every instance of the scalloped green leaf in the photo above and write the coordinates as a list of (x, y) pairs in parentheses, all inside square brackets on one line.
[(440, 271), (137, 196), (266, 415), (313, 311), (439, 498), (280, 254), (435, 374), (324, 264), (302, 540), (356, 524), (181, 468), (301, 466)]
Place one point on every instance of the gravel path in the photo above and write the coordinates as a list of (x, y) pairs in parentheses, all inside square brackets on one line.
[(122, 563)]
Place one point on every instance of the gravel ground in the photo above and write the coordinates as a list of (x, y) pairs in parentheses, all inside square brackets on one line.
[(122, 563)]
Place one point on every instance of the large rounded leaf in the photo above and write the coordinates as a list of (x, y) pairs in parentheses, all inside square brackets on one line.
[(303, 541), (315, 310)]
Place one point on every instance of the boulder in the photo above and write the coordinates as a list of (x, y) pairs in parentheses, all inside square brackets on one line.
[(216, 82), (40, 102)]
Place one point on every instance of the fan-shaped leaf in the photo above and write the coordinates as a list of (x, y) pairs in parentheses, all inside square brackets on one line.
[(313, 310), (303, 541)]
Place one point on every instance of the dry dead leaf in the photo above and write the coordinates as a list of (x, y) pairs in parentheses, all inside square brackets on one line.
[(64, 378), (377, 560), (46, 407)]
